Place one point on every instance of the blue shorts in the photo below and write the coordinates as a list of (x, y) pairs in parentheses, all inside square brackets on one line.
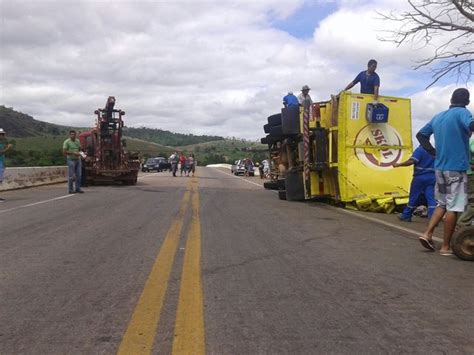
[(451, 190)]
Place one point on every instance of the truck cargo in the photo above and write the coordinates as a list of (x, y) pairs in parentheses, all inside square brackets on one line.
[(107, 160), (342, 150)]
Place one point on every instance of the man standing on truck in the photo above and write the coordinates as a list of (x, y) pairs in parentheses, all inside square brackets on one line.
[(72, 151), (304, 95), (368, 79), (290, 100), (451, 129), (4, 147)]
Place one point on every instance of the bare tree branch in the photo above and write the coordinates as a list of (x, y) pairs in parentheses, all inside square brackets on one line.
[(426, 23)]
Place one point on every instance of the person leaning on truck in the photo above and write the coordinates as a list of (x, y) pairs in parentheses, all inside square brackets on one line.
[(72, 151), (369, 80), (451, 129), (423, 182), (4, 147)]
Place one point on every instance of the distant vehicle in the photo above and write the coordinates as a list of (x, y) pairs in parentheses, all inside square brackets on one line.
[(238, 168), (152, 164), (163, 164)]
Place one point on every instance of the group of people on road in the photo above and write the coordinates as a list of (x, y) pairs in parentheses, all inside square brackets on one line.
[(187, 164)]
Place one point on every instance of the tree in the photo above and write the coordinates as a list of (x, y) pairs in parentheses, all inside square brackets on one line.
[(446, 24)]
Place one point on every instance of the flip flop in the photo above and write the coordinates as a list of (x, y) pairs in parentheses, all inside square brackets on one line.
[(428, 244), (446, 253)]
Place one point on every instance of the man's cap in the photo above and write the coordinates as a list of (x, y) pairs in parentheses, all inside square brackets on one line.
[(290, 92), (2, 131), (306, 87)]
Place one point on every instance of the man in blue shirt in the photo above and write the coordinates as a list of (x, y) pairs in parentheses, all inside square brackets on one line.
[(423, 182), (368, 79), (290, 100), (451, 130)]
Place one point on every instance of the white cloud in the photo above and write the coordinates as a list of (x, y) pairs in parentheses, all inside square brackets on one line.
[(207, 67)]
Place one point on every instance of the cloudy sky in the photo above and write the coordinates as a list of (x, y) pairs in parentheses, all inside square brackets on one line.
[(201, 67)]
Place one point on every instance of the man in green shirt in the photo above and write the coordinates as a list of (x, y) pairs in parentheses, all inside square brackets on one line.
[(4, 147), (72, 151)]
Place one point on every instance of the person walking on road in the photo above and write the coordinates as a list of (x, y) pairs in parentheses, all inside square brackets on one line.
[(191, 164), (451, 129), (174, 159), (466, 218), (72, 151), (182, 163), (423, 182), (4, 147)]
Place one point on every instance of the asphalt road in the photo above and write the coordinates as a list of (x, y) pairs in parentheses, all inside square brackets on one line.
[(215, 264)]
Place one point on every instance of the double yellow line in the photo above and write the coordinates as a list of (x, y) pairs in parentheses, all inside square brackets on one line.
[(189, 325)]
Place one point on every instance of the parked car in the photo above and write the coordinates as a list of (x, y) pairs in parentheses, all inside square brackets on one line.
[(163, 164), (151, 164), (238, 168)]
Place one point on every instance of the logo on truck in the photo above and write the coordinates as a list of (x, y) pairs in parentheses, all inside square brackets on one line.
[(369, 143)]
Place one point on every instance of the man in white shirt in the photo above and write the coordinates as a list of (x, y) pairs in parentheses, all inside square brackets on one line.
[(304, 95)]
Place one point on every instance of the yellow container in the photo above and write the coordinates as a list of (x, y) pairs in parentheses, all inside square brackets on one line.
[(360, 154)]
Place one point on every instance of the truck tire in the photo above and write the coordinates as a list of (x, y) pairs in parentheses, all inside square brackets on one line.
[(266, 127), (282, 194), (276, 130), (462, 243), (270, 185), (274, 120), (294, 186), (264, 140), (290, 120)]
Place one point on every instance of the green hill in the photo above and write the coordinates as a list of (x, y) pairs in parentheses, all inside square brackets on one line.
[(166, 137), (20, 125)]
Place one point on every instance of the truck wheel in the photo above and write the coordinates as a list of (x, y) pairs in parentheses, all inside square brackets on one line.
[(274, 120), (276, 130), (266, 128), (282, 194), (462, 243), (270, 185)]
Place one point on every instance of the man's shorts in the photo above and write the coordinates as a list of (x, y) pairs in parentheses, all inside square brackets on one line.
[(451, 190), (2, 170)]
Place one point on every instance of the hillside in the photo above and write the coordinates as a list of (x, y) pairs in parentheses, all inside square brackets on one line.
[(166, 137), (21, 125)]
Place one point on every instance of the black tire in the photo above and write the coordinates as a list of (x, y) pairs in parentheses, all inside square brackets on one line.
[(276, 130), (266, 127), (264, 140), (270, 185), (282, 194), (462, 243), (274, 120)]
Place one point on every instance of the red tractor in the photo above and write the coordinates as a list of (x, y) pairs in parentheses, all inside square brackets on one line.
[(106, 159)]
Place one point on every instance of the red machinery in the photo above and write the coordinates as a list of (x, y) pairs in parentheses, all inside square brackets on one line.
[(107, 160)]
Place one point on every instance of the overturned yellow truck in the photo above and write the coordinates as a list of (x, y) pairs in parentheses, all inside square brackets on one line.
[(342, 150)]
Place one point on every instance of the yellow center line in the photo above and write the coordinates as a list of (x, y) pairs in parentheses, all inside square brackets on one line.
[(189, 335), (141, 331)]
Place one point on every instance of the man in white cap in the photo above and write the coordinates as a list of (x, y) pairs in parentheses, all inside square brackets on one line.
[(4, 147), (304, 95)]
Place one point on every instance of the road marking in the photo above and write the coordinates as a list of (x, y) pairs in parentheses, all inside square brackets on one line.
[(250, 182), (373, 219), (37, 203), (189, 335), (145, 176), (141, 331)]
